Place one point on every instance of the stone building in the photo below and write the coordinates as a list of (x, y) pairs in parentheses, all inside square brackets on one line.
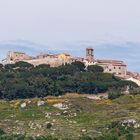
[(54, 60), (64, 56), (116, 67), (13, 57), (113, 66)]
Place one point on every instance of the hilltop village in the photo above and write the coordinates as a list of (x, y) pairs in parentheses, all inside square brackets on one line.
[(116, 67)]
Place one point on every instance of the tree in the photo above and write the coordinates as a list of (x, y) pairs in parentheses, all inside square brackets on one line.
[(95, 68), (9, 66), (1, 66), (22, 64), (79, 65), (22, 80), (42, 66)]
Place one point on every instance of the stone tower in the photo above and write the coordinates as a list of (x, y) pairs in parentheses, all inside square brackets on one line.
[(90, 54)]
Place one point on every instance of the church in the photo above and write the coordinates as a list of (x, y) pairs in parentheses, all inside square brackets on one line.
[(116, 67)]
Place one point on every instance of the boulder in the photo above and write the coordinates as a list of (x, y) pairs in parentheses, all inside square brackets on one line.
[(60, 106), (23, 105), (40, 103)]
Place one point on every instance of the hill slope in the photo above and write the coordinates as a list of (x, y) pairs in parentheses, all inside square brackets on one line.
[(71, 116)]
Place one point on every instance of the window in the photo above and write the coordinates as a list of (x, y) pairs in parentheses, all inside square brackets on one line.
[(119, 67), (109, 69), (114, 67)]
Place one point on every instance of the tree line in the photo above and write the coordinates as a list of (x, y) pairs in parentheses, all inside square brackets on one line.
[(22, 80)]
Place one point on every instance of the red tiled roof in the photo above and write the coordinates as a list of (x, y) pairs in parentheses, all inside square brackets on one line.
[(113, 62), (109, 61)]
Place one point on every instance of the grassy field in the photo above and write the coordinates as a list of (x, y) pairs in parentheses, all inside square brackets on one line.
[(82, 116)]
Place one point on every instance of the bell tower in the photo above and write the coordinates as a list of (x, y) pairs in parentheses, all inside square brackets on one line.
[(90, 54)]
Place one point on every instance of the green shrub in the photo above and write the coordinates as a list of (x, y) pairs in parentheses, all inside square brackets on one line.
[(114, 94), (95, 68), (85, 138), (1, 132), (135, 91), (129, 136), (49, 125)]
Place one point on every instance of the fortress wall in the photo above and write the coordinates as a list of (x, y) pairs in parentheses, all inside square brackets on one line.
[(53, 62)]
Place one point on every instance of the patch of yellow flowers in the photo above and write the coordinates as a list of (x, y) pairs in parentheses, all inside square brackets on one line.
[(15, 104), (72, 95), (55, 100)]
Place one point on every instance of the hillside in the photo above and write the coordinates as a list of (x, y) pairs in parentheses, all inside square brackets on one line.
[(45, 103), (72, 116)]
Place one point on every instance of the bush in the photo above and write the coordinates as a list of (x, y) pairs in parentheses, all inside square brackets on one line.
[(110, 136), (95, 68), (129, 136), (49, 125), (135, 91), (85, 138), (1, 132), (114, 94)]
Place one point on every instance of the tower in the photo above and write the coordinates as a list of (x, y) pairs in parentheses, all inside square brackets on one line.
[(90, 54)]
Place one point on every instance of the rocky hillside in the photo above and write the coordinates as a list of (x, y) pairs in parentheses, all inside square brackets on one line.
[(72, 116)]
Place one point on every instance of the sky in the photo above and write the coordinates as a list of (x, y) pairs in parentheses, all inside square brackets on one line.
[(57, 23)]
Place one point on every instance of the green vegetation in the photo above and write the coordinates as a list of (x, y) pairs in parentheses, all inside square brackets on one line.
[(22, 80), (95, 68), (56, 115), (114, 94), (83, 119)]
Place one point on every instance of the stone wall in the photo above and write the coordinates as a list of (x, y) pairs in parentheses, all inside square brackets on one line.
[(53, 62)]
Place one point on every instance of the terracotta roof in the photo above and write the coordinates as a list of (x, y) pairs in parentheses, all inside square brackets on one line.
[(100, 60), (109, 61), (113, 62)]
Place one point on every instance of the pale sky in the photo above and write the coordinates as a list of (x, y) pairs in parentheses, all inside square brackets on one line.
[(62, 24), (58, 21)]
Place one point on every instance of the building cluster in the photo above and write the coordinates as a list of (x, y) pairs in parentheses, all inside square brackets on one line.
[(116, 67)]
